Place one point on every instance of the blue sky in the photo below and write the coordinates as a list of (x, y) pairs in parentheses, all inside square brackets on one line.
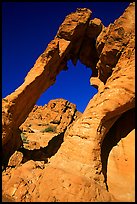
[(28, 27)]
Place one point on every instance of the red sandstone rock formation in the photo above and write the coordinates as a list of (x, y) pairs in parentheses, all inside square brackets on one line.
[(17, 106), (58, 113), (80, 169)]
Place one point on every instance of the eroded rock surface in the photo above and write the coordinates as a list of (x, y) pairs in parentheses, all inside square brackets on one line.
[(17, 105), (57, 114), (118, 157), (121, 161), (79, 169)]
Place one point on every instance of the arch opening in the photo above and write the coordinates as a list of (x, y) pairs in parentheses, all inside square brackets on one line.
[(118, 157), (67, 86), (72, 85)]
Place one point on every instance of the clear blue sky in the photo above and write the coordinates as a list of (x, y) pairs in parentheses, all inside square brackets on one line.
[(28, 27)]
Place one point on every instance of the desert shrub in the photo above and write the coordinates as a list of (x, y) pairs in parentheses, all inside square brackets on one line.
[(24, 139), (49, 129)]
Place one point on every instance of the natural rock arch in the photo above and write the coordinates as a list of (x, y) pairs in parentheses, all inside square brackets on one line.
[(111, 55), (68, 88), (67, 44)]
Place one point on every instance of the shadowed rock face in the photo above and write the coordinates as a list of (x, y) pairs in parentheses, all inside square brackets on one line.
[(77, 166), (118, 157)]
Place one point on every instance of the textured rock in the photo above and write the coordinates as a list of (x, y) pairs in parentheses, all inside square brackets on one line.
[(7, 200), (79, 168), (17, 106), (112, 42), (73, 25), (122, 161), (94, 28), (57, 114), (118, 157), (15, 159), (88, 47)]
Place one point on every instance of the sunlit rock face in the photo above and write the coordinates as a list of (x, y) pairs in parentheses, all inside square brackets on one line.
[(17, 105), (118, 157), (80, 167), (57, 114), (121, 169)]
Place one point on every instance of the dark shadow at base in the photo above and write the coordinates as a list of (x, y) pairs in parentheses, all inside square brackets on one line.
[(43, 153)]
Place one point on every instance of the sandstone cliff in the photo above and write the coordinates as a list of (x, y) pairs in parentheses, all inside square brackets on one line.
[(101, 139)]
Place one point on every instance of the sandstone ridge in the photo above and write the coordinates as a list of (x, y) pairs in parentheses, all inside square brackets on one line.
[(85, 157)]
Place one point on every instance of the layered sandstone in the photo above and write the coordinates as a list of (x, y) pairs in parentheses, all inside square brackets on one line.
[(80, 169)]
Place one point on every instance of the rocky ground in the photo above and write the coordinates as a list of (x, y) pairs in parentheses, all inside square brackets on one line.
[(42, 134)]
